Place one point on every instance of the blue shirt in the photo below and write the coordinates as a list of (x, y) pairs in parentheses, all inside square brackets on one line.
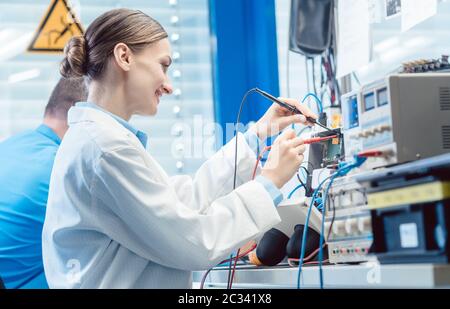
[(251, 138), (26, 164)]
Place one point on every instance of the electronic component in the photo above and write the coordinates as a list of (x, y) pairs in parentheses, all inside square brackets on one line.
[(323, 155), (369, 101), (426, 65), (328, 151), (404, 116), (351, 117), (349, 219), (410, 211), (332, 117), (314, 140), (293, 109)]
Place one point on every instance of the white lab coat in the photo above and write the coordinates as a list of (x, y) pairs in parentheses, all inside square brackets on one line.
[(115, 219)]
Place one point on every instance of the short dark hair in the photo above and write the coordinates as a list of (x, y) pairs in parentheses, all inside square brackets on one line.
[(66, 93)]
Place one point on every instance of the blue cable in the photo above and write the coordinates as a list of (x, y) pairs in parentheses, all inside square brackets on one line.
[(305, 230), (257, 146), (303, 130), (318, 101), (293, 191), (319, 202), (325, 196), (320, 206), (319, 108), (344, 168)]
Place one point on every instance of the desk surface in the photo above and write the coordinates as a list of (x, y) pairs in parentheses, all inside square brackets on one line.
[(367, 275)]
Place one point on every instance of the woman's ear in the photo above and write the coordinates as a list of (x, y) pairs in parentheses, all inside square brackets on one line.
[(122, 56)]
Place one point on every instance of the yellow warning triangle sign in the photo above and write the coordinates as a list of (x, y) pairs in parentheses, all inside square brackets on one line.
[(56, 28)]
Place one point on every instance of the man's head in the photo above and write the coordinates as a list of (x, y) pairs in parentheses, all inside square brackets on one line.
[(66, 93)]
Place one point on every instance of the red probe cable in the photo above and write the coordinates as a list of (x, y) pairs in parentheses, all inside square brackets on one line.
[(307, 141), (371, 153), (267, 148), (318, 139), (226, 261), (234, 270)]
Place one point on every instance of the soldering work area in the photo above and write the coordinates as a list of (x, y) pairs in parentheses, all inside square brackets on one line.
[(194, 146), (360, 201), (369, 205)]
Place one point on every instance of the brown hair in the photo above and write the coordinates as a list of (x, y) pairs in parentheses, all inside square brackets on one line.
[(87, 55)]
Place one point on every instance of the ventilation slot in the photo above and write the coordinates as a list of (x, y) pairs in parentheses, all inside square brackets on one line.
[(446, 137), (444, 98)]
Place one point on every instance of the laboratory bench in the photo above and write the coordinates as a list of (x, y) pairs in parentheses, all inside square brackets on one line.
[(369, 275)]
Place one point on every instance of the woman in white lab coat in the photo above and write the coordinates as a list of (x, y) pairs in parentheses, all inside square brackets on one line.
[(114, 218)]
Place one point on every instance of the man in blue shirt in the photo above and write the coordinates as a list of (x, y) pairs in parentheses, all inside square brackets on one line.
[(26, 164)]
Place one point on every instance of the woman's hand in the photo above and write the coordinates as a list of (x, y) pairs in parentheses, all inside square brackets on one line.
[(284, 158), (277, 118)]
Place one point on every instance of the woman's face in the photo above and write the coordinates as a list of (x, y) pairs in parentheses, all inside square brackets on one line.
[(147, 79)]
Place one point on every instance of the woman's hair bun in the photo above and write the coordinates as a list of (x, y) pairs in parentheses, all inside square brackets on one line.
[(74, 62)]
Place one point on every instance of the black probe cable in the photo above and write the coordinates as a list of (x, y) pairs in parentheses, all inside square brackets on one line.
[(291, 108), (235, 166), (273, 99), (236, 133)]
